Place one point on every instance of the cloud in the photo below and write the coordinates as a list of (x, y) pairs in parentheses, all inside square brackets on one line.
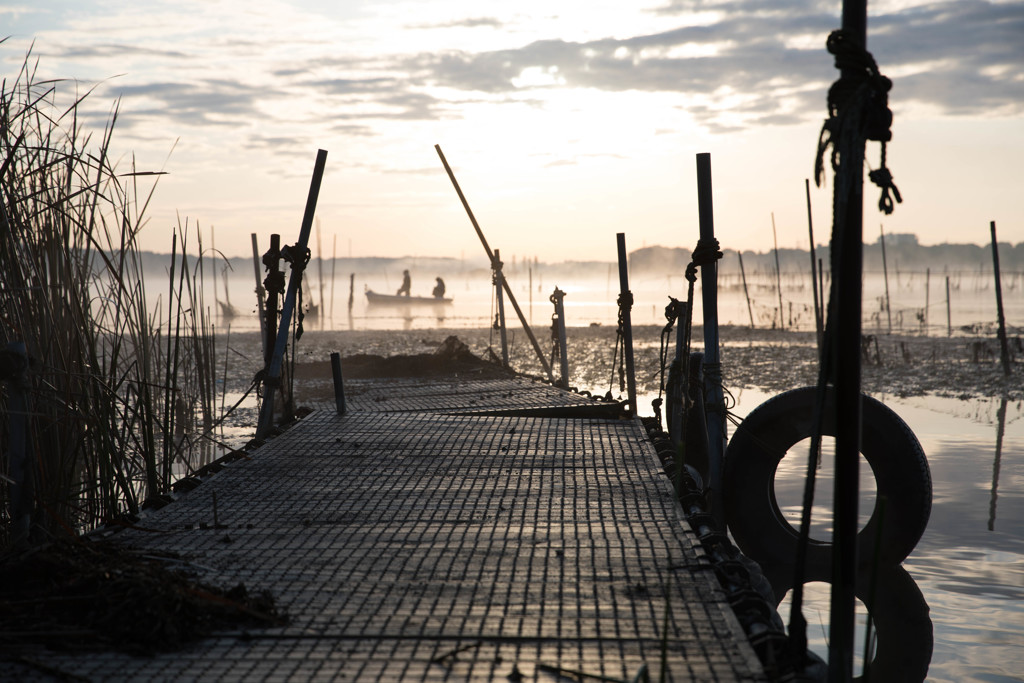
[(476, 22), (759, 51)]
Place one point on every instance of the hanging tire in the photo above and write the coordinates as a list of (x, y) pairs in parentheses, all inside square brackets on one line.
[(897, 461)]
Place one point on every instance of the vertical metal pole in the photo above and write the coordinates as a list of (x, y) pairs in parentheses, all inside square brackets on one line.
[(499, 279), (1004, 349), (557, 299), (819, 326), (714, 399), (339, 383), (626, 306), (848, 239), (273, 374)]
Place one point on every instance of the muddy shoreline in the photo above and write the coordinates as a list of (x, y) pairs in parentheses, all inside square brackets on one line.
[(962, 366)]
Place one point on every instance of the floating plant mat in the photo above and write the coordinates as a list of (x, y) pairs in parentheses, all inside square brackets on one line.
[(100, 595)]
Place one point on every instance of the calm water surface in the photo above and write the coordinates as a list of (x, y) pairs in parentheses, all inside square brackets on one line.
[(969, 566)]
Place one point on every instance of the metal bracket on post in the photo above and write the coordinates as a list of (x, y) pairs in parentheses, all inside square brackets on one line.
[(558, 320)]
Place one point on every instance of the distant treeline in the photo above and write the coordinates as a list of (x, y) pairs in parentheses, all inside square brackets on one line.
[(902, 252)]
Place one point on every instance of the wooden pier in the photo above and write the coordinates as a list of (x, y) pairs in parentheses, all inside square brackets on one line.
[(426, 536)]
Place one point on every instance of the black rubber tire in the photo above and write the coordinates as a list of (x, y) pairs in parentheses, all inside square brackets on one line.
[(895, 455)]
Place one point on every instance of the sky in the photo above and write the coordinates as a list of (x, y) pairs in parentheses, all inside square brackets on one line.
[(564, 121)]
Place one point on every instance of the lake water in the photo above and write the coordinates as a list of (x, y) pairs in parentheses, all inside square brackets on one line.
[(969, 566)]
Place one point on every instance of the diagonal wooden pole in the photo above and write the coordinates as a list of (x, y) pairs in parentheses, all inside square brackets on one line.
[(490, 255)]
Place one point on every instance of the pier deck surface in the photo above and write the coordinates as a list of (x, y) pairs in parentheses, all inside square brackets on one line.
[(412, 539)]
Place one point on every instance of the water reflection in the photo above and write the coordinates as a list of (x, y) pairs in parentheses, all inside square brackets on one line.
[(1000, 430), (969, 565), (898, 640)]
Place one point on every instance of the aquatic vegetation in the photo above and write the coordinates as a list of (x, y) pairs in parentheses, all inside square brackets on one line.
[(110, 391)]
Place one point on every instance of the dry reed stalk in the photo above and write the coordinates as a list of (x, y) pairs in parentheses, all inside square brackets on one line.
[(105, 390)]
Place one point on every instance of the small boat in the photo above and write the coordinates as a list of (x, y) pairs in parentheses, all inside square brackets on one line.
[(374, 298)]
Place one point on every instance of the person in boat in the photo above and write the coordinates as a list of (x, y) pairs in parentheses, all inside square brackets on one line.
[(406, 287), (439, 289)]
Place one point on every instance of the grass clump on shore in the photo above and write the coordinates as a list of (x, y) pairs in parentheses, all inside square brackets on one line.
[(104, 417)]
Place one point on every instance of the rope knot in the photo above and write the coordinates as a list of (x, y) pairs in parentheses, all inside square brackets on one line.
[(883, 178), (625, 299)]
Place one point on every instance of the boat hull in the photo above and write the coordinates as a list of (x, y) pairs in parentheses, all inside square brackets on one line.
[(377, 299)]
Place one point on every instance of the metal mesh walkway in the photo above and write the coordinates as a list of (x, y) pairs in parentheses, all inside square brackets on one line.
[(429, 545)]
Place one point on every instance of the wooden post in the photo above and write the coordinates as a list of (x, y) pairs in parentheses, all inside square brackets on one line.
[(885, 274), (778, 276), (927, 296), (818, 319), (714, 400), (1004, 349), (339, 383), (508, 290), (746, 293), (626, 306), (259, 293), (273, 373), (949, 314), (498, 278), (334, 265)]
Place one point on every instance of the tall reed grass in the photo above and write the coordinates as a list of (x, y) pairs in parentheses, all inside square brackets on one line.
[(112, 387)]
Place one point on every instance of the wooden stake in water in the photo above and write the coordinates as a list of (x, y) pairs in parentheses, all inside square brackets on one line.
[(949, 315), (1004, 349), (927, 296), (778, 276), (746, 293), (818, 320), (259, 294), (885, 273)]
